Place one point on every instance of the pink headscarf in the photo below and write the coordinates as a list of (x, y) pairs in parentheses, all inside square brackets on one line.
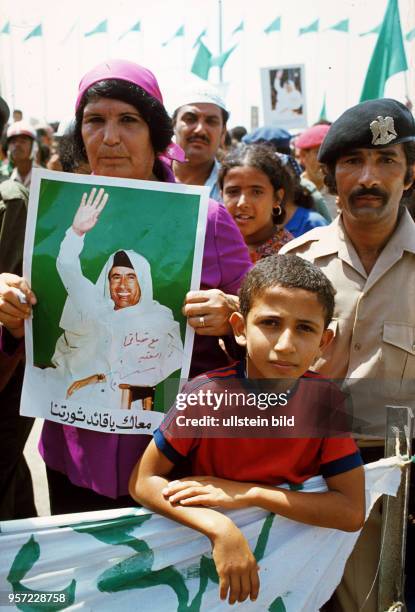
[(124, 70)]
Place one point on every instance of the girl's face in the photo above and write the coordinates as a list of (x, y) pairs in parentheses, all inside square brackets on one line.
[(250, 198)]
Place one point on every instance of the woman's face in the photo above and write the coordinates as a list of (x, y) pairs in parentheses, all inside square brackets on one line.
[(250, 198), (117, 140)]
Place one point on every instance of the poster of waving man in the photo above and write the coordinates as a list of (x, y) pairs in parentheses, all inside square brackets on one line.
[(108, 328)]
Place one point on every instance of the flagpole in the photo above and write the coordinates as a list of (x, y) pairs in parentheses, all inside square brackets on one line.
[(45, 83), (220, 39), (12, 83), (78, 48), (406, 84)]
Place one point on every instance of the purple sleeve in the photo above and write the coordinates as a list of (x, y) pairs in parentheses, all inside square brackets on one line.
[(226, 257), (9, 345)]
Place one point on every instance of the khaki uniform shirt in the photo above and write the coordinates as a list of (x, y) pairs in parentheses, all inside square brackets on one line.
[(374, 316)]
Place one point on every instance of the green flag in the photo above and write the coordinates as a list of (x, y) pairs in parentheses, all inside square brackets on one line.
[(177, 34), (313, 27), (101, 28), (221, 59), (373, 31), (135, 28), (201, 63), (323, 112), (388, 56), (6, 28), (199, 38), (342, 26), (37, 31), (410, 36), (274, 26), (239, 28)]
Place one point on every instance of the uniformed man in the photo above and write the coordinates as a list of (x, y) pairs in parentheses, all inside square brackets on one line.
[(368, 253)]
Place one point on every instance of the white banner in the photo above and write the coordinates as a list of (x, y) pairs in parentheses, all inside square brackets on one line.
[(132, 559)]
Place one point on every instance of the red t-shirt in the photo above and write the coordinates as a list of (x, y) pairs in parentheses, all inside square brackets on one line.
[(270, 461)]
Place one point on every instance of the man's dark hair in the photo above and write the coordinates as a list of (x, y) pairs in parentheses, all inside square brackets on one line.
[(121, 259), (150, 109), (409, 150), (288, 271), (238, 132), (262, 158), (223, 112), (43, 155)]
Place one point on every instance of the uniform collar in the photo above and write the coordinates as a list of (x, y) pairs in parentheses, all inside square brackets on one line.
[(333, 238)]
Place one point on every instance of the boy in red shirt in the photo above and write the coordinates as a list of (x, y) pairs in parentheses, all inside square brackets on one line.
[(286, 304)]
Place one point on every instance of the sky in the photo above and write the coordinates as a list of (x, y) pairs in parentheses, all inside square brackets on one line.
[(41, 75)]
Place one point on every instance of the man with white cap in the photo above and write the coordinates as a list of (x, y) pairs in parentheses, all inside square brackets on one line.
[(200, 127), (22, 148)]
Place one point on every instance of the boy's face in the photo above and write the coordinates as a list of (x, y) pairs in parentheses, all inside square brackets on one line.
[(284, 333)]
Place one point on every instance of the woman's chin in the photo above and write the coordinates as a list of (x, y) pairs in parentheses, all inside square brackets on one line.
[(120, 172)]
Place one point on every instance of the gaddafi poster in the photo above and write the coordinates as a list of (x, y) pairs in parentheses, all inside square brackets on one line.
[(110, 262)]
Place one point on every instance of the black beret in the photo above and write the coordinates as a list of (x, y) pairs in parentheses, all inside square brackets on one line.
[(370, 125), (4, 114)]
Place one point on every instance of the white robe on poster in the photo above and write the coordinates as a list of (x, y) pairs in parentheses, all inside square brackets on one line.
[(289, 101), (136, 345)]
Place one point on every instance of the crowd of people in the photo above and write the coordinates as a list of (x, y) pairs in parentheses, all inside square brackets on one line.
[(308, 241)]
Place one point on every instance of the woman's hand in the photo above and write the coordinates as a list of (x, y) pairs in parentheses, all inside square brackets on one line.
[(90, 208), (83, 382), (208, 311), (236, 565), (16, 301), (208, 491)]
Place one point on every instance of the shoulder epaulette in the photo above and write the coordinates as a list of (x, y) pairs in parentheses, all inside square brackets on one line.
[(12, 190)]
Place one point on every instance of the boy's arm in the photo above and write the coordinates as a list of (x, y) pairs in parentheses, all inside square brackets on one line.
[(341, 507), (235, 563)]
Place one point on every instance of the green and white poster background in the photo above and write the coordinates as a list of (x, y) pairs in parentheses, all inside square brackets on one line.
[(165, 223)]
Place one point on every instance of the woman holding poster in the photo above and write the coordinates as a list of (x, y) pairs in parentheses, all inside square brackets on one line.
[(123, 130)]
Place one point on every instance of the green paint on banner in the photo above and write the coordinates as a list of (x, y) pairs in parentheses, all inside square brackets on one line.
[(114, 531), (136, 571), (277, 606), (263, 537), (296, 487), (25, 559)]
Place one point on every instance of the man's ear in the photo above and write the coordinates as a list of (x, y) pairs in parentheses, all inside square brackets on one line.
[(238, 327), (410, 176), (326, 340), (222, 137)]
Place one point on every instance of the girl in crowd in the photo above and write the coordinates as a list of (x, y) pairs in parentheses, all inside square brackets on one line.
[(266, 199), (123, 130), (255, 187)]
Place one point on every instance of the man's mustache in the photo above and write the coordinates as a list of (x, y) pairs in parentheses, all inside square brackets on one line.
[(199, 138), (369, 191)]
